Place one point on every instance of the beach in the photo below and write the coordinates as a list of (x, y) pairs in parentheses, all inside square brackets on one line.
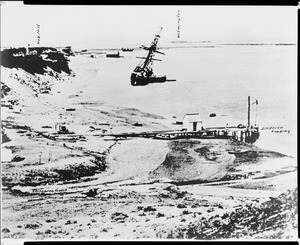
[(82, 185)]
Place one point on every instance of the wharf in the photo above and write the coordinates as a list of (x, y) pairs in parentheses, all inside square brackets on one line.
[(241, 134)]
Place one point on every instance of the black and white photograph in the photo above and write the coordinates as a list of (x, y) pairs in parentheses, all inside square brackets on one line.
[(148, 122)]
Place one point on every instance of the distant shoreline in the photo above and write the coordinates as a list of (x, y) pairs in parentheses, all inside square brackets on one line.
[(204, 46), (192, 45)]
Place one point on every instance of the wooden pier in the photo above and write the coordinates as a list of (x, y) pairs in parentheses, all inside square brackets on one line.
[(245, 134), (240, 133)]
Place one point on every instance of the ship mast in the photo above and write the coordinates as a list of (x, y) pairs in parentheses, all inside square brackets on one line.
[(249, 105), (248, 112), (151, 49)]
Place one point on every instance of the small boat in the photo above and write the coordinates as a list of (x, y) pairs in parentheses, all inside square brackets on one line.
[(166, 137), (127, 49), (113, 55)]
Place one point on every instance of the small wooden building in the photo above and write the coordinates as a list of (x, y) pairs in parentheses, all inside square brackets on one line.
[(192, 122)]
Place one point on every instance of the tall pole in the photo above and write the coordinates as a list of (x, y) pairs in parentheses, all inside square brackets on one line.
[(248, 111)]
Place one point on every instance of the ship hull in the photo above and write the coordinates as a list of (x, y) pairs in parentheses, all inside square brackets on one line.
[(138, 80)]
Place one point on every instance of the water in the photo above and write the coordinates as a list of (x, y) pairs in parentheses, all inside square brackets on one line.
[(211, 80)]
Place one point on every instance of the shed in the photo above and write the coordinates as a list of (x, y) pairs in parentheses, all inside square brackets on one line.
[(192, 122)]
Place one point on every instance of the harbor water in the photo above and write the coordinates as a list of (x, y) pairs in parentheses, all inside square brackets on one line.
[(213, 79)]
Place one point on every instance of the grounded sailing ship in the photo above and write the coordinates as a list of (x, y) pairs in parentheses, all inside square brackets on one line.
[(143, 73)]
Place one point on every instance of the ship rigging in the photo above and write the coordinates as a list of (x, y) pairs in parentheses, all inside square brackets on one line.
[(143, 74)]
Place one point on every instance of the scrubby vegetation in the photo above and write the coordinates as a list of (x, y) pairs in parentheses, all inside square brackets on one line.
[(275, 216), (36, 60)]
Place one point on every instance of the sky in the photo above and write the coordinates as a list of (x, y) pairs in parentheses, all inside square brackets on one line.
[(95, 26)]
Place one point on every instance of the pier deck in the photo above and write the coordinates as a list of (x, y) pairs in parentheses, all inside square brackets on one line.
[(242, 134)]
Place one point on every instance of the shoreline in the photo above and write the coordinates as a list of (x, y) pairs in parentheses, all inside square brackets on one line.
[(126, 189)]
